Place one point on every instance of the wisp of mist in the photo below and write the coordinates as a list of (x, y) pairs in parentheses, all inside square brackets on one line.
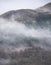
[(14, 31)]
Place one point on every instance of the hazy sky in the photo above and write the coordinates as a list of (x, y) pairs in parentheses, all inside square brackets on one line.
[(6, 5)]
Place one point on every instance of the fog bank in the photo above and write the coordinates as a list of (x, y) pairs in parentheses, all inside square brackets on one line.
[(16, 34)]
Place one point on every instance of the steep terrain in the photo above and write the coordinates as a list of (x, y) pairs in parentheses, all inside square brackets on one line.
[(45, 8), (25, 37), (40, 16)]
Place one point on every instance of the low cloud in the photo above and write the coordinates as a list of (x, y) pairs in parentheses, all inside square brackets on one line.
[(15, 33)]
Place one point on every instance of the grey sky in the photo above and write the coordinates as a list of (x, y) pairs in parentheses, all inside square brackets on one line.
[(6, 5)]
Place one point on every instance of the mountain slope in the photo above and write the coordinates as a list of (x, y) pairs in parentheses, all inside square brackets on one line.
[(23, 45), (40, 16), (45, 8)]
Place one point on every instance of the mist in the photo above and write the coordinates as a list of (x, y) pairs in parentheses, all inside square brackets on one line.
[(16, 35)]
